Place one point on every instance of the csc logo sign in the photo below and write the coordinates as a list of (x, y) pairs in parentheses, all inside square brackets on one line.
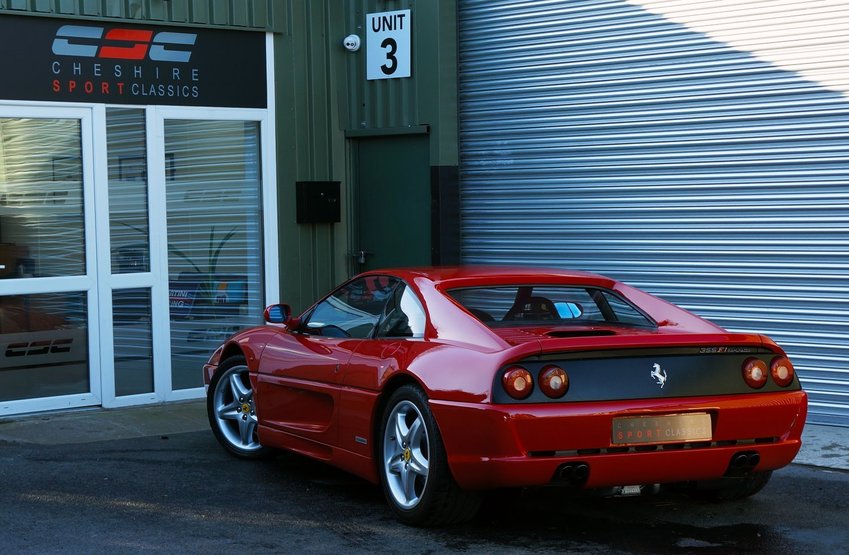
[(133, 44), (41, 347)]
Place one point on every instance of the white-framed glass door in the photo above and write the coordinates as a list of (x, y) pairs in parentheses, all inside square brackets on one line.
[(128, 280), (133, 240), (49, 304), (212, 206)]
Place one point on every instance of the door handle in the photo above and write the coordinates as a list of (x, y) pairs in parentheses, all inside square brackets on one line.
[(361, 256)]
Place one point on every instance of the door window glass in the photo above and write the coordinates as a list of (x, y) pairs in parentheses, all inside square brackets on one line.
[(133, 341), (353, 310), (41, 198), (215, 269), (128, 214), (43, 345)]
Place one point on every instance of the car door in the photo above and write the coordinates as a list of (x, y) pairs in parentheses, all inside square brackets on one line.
[(300, 374), (403, 321)]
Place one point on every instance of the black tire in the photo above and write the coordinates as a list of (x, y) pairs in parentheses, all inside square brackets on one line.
[(731, 489), (413, 467), (231, 411)]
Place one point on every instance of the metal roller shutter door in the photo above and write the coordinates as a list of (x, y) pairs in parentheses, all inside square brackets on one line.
[(659, 149)]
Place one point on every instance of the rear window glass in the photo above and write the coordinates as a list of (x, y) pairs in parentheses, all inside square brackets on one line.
[(522, 305)]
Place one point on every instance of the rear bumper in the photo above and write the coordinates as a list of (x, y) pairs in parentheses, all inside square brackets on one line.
[(492, 446)]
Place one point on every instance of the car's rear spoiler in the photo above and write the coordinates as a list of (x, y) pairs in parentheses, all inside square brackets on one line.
[(704, 343)]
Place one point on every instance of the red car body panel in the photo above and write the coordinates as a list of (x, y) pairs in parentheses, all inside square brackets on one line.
[(490, 446), (322, 396)]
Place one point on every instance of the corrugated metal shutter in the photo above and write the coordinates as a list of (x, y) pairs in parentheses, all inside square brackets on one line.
[(599, 135)]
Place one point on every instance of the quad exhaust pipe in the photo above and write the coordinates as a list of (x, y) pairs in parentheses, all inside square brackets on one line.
[(573, 474), (742, 463)]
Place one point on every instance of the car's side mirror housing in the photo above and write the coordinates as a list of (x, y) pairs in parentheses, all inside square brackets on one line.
[(278, 314)]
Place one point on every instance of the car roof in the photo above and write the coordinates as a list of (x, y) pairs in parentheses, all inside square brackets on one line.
[(448, 277)]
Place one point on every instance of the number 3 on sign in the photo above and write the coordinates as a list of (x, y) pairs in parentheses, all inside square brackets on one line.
[(391, 64), (388, 45)]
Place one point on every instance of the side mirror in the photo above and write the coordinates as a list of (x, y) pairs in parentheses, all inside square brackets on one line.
[(278, 314)]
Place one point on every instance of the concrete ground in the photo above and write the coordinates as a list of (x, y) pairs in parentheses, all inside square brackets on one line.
[(137, 481), (97, 424), (822, 446)]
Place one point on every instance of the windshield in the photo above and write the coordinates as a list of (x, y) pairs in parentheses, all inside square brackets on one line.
[(548, 305)]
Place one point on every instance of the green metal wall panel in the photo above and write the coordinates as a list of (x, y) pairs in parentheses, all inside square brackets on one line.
[(323, 98), (261, 15), (429, 96), (308, 150)]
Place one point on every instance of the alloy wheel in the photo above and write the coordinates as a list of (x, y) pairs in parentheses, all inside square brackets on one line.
[(234, 410), (406, 452)]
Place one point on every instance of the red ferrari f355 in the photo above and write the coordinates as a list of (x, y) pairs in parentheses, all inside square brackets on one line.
[(441, 383)]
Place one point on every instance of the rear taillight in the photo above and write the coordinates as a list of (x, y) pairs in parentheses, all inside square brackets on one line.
[(518, 382), (553, 381), (781, 370), (754, 372)]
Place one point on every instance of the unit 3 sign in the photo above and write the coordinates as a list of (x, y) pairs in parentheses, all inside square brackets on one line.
[(388, 45)]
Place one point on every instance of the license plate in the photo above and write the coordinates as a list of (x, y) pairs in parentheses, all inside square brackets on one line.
[(671, 428)]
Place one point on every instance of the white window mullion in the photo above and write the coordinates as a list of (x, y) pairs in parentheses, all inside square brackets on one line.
[(101, 339), (269, 183), (88, 149), (158, 253)]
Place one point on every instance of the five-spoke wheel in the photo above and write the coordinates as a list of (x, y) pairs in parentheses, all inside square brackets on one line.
[(413, 466), (405, 454), (231, 410)]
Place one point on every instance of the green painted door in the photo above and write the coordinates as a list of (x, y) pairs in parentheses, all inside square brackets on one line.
[(393, 202)]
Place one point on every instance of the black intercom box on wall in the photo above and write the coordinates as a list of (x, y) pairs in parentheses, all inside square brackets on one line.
[(318, 202)]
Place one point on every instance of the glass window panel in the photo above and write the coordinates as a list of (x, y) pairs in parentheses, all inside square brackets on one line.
[(41, 198), (520, 305), (133, 337), (215, 264), (403, 315), (128, 221), (43, 345), (354, 309)]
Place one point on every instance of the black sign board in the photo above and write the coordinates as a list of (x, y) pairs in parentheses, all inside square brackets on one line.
[(119, 63)]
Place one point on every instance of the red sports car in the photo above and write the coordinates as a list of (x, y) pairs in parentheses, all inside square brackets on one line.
[(442, 383)]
